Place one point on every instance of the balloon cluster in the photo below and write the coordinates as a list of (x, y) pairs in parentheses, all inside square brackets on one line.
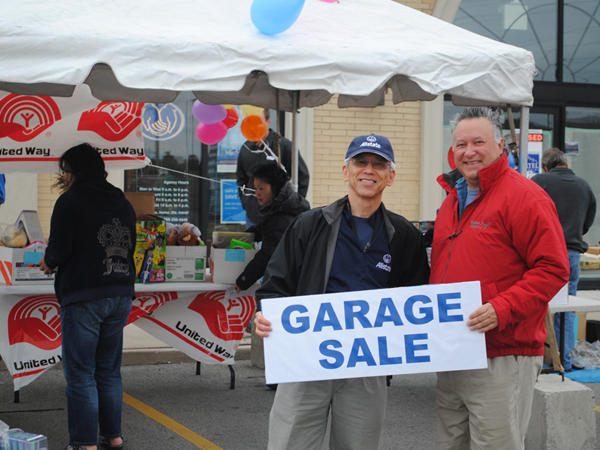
[(214, 121)]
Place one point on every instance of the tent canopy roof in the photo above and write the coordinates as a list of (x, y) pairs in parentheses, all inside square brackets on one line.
[(149, 50)]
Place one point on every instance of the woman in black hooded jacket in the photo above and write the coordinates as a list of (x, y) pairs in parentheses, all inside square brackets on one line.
[(279, 205)]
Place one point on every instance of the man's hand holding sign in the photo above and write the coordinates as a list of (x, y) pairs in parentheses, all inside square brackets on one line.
[(372, 333)]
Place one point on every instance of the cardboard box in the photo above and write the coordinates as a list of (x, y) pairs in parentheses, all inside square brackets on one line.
[(228, 264), (150, 255), (594, 249), (186, 263), (142, 202), (20, 266), (589, 263)]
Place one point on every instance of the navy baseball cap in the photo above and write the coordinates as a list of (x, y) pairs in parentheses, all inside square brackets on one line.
[(373, 143)]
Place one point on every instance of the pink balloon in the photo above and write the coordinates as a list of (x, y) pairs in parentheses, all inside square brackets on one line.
[(212, 133), (208, 114), (330, 1)]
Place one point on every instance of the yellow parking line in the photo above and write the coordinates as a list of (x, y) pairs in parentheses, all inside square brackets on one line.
[(597, 408), (172, 425)]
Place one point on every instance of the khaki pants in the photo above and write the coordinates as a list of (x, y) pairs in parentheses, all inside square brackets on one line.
[(487, 408), (300, 411)]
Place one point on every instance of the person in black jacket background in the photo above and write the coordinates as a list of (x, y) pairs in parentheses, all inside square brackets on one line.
[(279, 205), (92, 238), (253, 154)]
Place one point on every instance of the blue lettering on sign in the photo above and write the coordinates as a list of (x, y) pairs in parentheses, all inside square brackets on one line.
[(384, 359), (360, 353), (302, 320), (427, 313), (326, 351), (357, 310), (326, 310), (443, 307), (387, 305), (351, 314), (411, 348)]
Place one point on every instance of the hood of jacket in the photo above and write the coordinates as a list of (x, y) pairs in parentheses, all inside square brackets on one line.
[(287, 201), (102, 194)]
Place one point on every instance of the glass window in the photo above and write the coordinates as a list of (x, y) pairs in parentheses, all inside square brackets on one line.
[(191, 182), (530, 24), (581, 38), (582, 145), (171, 143)]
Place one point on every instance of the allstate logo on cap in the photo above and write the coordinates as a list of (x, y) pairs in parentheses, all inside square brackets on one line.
[(371, 138), (161, 122)]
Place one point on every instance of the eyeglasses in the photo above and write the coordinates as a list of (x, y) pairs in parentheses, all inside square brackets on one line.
[(377, 165)]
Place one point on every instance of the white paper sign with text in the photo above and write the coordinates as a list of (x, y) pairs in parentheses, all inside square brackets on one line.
[(373, 333)]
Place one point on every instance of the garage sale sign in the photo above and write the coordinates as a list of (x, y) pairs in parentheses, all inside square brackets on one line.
[(373, 333)]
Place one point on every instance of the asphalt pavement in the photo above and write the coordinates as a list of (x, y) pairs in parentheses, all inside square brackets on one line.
[(168, 406)]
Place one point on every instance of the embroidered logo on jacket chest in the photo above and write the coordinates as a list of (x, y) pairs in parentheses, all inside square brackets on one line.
[(387, 259), (480, 225)]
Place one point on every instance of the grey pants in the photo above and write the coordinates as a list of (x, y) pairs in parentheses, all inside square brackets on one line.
[(487, 409), (300, 411)]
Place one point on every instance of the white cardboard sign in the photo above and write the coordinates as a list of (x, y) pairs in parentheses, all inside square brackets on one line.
[(373, 333)]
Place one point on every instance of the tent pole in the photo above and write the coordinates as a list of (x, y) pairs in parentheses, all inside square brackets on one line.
[(295, 141), (524, 140)]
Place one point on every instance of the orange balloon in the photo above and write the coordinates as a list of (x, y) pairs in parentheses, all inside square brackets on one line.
[(254, 128)]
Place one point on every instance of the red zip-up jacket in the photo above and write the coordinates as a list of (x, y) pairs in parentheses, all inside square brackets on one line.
[(510, 239)]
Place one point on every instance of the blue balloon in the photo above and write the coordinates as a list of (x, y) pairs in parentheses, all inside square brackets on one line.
[(275, 16)]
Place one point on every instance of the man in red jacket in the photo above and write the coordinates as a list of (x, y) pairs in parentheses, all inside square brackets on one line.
[(501, 229)]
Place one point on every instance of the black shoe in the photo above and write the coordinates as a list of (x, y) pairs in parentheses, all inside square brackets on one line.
[(105, 443), (576, 367)]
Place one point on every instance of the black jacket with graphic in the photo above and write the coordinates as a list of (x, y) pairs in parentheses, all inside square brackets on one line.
[(92, 240)]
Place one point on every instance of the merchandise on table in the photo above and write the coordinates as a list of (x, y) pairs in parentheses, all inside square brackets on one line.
[(22, 246), (228, 255), (150, 255)]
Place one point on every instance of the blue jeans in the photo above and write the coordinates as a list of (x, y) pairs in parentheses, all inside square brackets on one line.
[(569, 316), (92, 347)]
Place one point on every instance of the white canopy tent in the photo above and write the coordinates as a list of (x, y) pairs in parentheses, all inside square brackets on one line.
[(150, 50)]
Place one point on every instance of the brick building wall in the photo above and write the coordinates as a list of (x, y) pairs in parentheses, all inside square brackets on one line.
[(46, 200), (334, 128)]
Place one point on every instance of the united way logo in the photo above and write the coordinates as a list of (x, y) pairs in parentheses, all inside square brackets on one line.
[(113, 121), (226, 318), (145, 303), (36, 321), (161, 122), (23, 117)]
